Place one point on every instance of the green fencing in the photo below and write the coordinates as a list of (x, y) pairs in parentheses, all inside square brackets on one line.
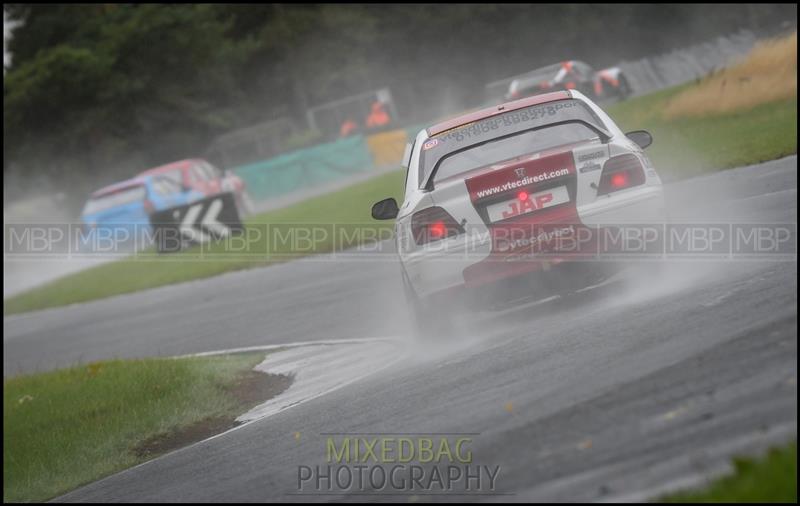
[(310, 167), (306, 168)]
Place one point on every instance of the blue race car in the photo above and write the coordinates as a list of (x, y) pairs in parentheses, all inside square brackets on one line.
[(117, 217)]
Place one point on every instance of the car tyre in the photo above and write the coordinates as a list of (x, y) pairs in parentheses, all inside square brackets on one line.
[(428, 322), (624, 89)]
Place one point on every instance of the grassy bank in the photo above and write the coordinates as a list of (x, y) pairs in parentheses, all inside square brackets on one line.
[(772, 479), (684, 146), (687, 146), (65, 428), (767, 74)]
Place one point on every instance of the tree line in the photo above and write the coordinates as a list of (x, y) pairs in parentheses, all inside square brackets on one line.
[(97, 92)]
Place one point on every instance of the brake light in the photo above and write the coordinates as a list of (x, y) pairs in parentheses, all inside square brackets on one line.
[(437, 230), (433, 224), (523, 196), (621, 172)]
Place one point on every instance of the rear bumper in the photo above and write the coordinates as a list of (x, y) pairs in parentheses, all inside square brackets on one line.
[(637, 205), (468, 262), (440, 267)]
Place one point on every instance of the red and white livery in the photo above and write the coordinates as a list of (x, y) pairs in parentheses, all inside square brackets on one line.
[(498, 194), (199, 175)]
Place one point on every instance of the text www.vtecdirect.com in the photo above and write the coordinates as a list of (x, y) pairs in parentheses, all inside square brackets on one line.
[(525, 181)]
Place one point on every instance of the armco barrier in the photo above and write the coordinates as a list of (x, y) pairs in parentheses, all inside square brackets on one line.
[(306, 168), (685, 64)]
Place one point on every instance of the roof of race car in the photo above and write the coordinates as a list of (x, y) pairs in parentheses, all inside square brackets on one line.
[(496, 109), (120, 185), (180, 164)]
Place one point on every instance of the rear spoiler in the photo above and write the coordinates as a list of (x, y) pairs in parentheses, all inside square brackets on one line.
[(604, 135)]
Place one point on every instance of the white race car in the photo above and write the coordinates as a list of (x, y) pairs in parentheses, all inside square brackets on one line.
[(496, 196)]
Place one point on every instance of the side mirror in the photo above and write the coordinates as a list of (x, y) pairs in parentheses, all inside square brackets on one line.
[(640, 137), (386, 209)]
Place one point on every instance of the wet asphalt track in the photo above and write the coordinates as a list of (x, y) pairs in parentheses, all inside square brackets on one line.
[(652, 380)]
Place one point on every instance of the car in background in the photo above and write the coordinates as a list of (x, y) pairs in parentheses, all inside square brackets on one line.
[(496, 201), (121, 212), (571, 75), (199, 175)]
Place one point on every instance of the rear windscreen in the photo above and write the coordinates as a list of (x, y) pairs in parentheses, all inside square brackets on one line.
[(510, 148), (175, 175), (438, 147), (166, 186), (118, 198)]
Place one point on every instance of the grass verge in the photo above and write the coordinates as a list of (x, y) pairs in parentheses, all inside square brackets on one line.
[(65, 428), (688, 146), (683, 147), (767, 74), (772, 479)]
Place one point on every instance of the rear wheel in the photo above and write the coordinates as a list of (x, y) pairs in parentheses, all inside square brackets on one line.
[(429, 322), (624, 89)]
